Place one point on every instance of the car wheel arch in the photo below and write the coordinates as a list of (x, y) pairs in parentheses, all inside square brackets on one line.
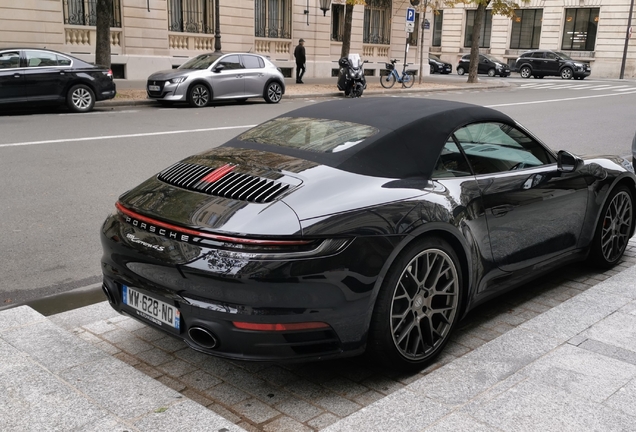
[(626, 181), (205, 83), (444, 231), (75, 82), (269, 81)]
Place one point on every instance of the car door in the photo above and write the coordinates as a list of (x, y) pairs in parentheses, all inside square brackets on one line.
[(254, 72), (229, 82), (538, 67), (534, 212), (44, 79), (11, 78), (483, 65), (551, 64)]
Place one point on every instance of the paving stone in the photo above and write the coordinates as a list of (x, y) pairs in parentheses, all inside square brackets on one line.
[(459, 422), (154, 357), (107, 347), (148, 334), (169, 344), (533, 407), (579, 372), (191, 356), (148, 370), (226, 394), (345, 388), (108, 424), (268, 393), (225, 413), (285, 424), (368, 398), (51, 346), (382, 384), (358, 369), (100, 327), (129, 324), (126, 358), (298, 409), (618, 329), (323, 421), (126, 341), (118, 388), (307, 390), (185, 416), (402, 411), (278, 376), (255, 410), (624, 399), (609, 351), (197, 397), (86, 336), (176, 368), (337, 404), (85, 315), (200, 380)]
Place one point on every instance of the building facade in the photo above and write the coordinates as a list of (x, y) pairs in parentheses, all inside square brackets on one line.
[(150, 35)]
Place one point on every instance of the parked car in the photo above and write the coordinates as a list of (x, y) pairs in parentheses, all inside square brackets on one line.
[(438, 66), (33, 77), (350, 225), (487, 65), (634, 151), (540, 63), (211, 76)]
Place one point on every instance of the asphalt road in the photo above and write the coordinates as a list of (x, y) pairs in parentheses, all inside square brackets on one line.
[(62, 173)]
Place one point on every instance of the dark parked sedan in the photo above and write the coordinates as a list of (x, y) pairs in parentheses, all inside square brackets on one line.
[(438, 66), (350, 225), (43, 77), (540, 63), (487, 65)]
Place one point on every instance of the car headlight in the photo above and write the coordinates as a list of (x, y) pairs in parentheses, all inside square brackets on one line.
[(177, 80), (499, 66)]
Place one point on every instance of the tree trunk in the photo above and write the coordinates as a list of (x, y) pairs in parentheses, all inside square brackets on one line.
[(104, 11), (346, 37), (474, 48)]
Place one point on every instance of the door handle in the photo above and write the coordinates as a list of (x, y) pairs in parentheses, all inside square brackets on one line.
[(62, 73), (17, 75), (501, 210)]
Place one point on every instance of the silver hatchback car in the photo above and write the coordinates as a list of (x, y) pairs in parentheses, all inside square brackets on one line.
[(211, 76)]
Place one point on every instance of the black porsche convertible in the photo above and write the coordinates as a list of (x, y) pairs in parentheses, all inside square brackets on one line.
[(350, 225)]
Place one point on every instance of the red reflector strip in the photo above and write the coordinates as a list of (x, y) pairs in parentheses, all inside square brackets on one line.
[(280, 327), (218, 237), (218, 173)]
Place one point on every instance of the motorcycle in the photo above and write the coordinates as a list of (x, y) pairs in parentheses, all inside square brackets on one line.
[(351, 76)]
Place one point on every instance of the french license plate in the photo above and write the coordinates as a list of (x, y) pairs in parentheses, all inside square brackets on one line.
[(150, 308), (154, 88)]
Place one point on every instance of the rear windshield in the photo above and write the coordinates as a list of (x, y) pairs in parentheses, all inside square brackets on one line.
[(203, 61), (316, 135)]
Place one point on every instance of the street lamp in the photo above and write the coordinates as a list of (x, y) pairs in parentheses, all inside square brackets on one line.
[(325, 5)]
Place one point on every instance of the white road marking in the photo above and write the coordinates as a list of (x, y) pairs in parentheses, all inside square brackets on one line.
[(558, 100), (613, 88), (96, 138)]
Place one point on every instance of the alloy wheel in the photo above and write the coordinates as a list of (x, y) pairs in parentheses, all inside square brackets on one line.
[(617, 223), (525, 72), (274, 93), (200, 96), (424, 304), (566, 73), (82, 98)]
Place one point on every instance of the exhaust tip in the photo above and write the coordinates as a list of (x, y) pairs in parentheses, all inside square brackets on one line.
[(107, 293), (203, 337)]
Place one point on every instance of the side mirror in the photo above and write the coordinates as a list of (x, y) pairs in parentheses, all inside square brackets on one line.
[(567, 162), (218, 68), (366, 61)]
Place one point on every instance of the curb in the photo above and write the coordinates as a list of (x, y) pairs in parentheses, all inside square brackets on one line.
[(478, 86)]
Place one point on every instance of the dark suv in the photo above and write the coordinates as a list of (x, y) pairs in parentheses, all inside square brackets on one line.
[(487, 65), (539, 63)]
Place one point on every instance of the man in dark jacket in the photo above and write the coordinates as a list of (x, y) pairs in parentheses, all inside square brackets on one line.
[(299, 54)]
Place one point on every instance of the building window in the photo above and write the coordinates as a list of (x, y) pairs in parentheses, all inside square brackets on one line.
[(438, 17), (272, 18), (414, 35), (337, 22), (191, 16), (526, 29), (486, 26), (84, 12), (376, 28), (579, 32)]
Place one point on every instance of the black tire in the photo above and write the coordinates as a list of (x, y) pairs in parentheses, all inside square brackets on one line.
[(273, 92), (387, 81), (432, 69), (491, 72), (408, 80), (566, 73), (460, 70), (80, 98), (413, 319), (614, 228), (199, 96), (525, 72)]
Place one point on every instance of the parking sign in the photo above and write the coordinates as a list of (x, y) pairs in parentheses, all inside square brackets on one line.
[(410, 15)]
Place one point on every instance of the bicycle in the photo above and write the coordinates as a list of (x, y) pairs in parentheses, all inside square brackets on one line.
[(407, 79)]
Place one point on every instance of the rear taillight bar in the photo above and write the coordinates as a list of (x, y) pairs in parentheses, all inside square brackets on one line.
[(280, 327)]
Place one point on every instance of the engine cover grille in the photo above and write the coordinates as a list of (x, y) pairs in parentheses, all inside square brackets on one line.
[(223, 182)]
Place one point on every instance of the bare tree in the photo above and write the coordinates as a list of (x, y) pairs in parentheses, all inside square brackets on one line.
[(346, 36), (104, 12)]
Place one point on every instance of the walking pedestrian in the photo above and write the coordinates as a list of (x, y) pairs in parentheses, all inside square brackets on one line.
[(299, 54)]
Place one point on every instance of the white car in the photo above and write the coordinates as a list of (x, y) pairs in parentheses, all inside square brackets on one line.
[(213, 76)]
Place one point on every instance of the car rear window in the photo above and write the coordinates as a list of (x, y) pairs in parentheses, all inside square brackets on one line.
[(316, 135)]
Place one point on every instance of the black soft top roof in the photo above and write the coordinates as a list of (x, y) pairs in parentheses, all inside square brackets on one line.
[(412, 133)]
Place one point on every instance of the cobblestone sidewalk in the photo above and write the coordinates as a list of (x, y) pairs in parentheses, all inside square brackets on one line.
[(310, 397)]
